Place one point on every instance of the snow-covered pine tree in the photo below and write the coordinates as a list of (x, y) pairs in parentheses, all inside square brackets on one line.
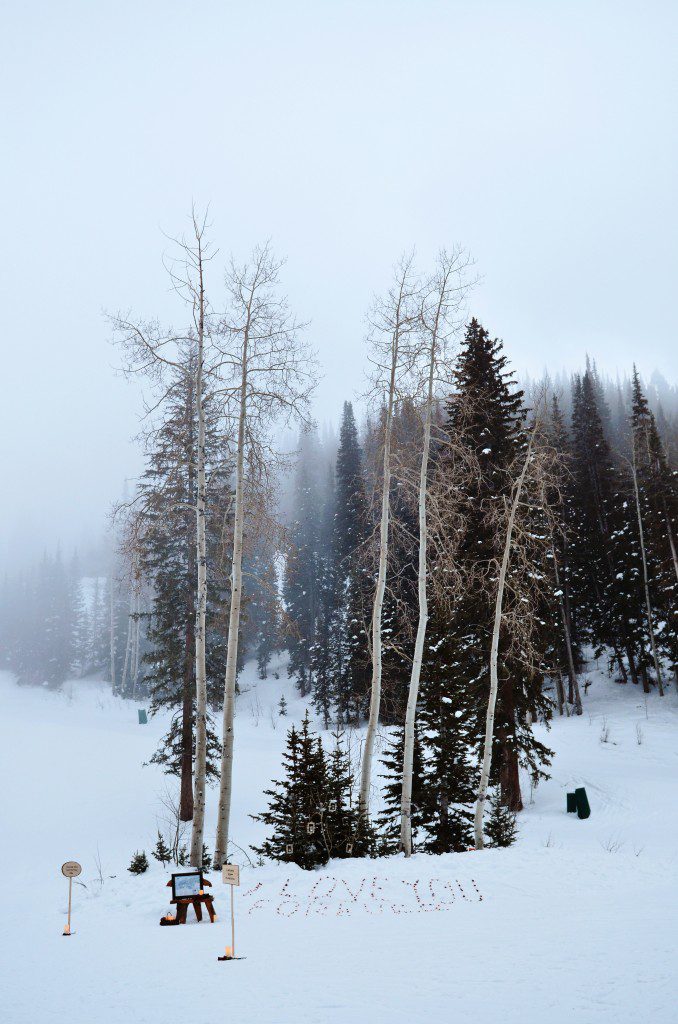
[(43, 622), (165, 527), (303, 568), (78, 624), (500, 828), (161, 850), (607, 565), (657, 497), (353, 587), (260, 629), (295, 802), (389, 820), (139, 863), (346, 832), (322, 662), (485, 413), (566, 656), (449, 779)]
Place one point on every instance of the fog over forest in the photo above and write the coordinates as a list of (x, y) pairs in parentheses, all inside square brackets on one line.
[(339, 527), (556, 169)]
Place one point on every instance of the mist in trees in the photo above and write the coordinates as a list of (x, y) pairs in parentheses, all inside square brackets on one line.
[(433, 577)]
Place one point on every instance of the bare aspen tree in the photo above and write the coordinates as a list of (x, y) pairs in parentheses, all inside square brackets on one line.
[(161, 356), (267, 374), (136, 648), (394, 318), (646, 584), (539, 473), (130, 556), (128, 643), (443, 300), (574, 679), (193, 285), (112, 631), (494, 652), (188, 277)]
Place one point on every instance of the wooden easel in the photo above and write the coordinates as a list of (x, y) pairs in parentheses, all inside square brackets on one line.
[(182, 904)]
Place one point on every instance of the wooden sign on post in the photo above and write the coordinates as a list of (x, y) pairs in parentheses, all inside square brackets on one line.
[(71, 869), (230, 875)]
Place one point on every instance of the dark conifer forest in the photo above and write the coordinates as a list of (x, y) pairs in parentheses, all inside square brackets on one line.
[(605, 560)]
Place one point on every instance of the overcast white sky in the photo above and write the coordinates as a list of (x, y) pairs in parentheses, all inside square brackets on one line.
[(542, 135)]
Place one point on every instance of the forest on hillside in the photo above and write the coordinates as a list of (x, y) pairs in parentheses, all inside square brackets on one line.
[(442, 565)]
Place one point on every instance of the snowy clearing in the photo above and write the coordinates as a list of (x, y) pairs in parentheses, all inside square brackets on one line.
[(574, 923)]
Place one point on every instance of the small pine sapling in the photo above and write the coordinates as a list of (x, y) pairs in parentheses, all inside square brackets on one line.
[(501, 828), (182, 856), (346, 832), (296, 803), (139, 863), (162, 851), (206, 858), (282, 707)]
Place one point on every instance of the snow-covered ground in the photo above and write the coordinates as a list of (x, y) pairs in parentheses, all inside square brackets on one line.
[(576, 923)]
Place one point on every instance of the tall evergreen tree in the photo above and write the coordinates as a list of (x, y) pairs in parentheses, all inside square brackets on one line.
[(166, 533), (303, 568), (566, 656), (353, 587), (607, 566), (400, 611), (485, 413), (321, 650), (658, 511), (388, 821)]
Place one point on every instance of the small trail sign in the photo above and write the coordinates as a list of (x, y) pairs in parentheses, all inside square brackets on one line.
[(71, 869), (230, 875)]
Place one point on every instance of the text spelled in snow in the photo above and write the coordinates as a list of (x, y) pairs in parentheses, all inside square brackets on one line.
[(330, 895)]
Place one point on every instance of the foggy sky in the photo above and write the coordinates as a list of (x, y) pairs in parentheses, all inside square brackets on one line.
[(540, 135)]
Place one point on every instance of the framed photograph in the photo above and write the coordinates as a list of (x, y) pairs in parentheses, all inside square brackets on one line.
[(187, 884)]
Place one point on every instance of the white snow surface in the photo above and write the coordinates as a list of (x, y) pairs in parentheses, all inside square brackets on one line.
[(576, 923)]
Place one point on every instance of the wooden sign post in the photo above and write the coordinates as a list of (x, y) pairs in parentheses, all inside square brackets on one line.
[(230, 875), (71, 869)]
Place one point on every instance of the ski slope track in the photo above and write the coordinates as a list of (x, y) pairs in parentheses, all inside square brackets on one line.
[(576, 923)]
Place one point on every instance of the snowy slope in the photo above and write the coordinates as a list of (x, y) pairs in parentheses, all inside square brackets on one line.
[(575, 923)]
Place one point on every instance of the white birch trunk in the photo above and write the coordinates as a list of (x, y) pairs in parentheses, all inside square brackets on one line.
[(648, 605), (137, 638), (128, 645), (112, 632), (200, 771), (225, 787), (415, 676), (375, 695), (672, 542), (135, 648), (578, 710), (494, 655)]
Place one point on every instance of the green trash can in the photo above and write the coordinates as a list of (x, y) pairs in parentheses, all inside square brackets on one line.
[(571, 803), (583, 808), (143, 719)]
